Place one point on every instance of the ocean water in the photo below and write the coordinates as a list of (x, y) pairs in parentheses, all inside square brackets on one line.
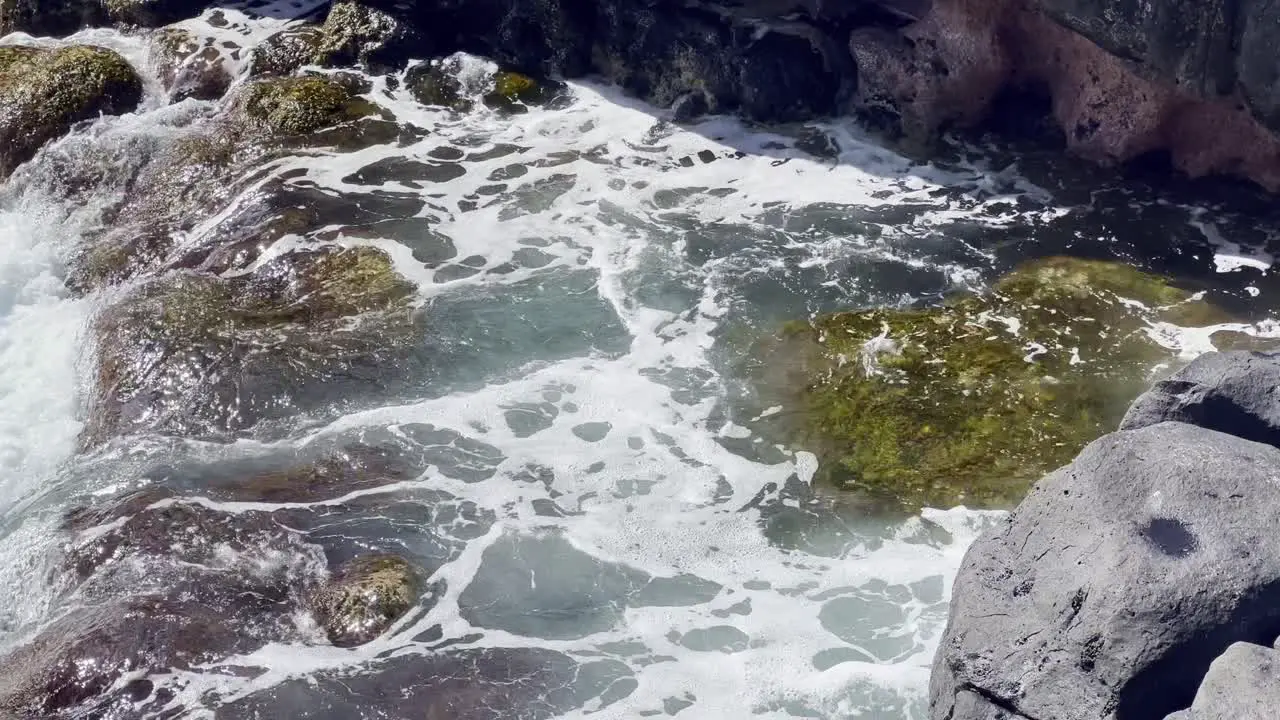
[(604, 535)]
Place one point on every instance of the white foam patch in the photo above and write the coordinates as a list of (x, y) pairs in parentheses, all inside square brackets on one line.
[(1229, 256)]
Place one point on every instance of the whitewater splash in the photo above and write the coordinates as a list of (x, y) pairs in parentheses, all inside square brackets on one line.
[(600, 534)]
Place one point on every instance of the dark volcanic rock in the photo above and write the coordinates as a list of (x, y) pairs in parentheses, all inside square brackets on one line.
[(1117, 581), (1237, 393), (746, 58), (353, 33), (44, 92), (63, 17)]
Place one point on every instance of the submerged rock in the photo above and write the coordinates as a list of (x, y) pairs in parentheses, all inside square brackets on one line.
[(970, 402), (189, 66), (364, 597), (461, 684), (44, 92), (202, 356), (76, 661)]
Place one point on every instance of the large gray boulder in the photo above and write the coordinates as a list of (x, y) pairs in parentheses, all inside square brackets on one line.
[(1243, 683), (1237, 393), (1114, 585)]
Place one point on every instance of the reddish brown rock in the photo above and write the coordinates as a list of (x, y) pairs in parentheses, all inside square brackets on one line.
[(944, 70)]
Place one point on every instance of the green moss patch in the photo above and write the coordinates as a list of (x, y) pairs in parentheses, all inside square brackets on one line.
[(972, 401), (44, 92), (298, 105)]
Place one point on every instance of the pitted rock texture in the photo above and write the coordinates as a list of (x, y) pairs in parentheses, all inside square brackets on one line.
[(1117, 581), (1123, 576)]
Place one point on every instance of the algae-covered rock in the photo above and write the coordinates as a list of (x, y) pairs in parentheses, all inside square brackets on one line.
[(44, 92), (198, 355), (301, 105), (364, 597), (971, 402)]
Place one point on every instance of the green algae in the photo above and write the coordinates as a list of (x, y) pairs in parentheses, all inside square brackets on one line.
[(299, 105), (183, 340), (44, 92), (972, 401)]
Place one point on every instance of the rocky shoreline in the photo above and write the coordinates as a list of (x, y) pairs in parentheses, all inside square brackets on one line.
[(214, 332), (1110, 81), (1140, 571)]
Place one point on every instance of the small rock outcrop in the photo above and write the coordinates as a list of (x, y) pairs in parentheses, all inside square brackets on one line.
[(1244, 682), (1120, 579), (44, 92), (364, 597), (195, 354), (353, 33)]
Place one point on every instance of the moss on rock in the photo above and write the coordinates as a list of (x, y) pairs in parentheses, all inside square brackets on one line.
[(198, 355), (301, 105), (44, 92), (972, 401), (364, 597)]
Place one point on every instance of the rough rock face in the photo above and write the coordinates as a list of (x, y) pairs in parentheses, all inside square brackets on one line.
[(44, 92), (1123, 575), (1235, 393), (1244, 682), (352, 34), (63, 17)]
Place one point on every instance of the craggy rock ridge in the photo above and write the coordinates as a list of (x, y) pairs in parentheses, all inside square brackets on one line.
[(921, 66), (1115, 80), (1143, 569)]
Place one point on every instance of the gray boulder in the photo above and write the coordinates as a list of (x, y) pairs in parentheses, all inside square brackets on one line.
[(1114, 585), (1237, 393), (1243, 683)]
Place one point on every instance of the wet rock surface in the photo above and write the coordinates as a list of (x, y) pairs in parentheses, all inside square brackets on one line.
[(364, 597), (198, 355), (1122, 577), (44, 92)]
